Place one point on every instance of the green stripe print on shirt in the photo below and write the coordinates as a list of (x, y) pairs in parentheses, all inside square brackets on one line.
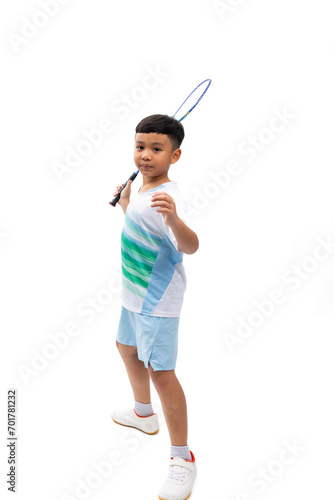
[(140, 250)]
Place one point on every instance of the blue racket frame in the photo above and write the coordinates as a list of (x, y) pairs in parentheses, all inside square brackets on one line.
[(190, 110)]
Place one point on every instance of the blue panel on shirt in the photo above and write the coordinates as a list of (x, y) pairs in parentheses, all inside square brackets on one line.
[(161, 275)]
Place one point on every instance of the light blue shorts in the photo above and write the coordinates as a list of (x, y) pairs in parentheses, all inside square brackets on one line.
[(156, 338)]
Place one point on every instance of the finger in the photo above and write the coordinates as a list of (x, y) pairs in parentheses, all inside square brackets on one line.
[(162, 196), (165, 211), (162, 204), (163, 200), (127, 189)]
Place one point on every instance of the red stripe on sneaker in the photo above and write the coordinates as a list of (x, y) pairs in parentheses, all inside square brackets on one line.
[(192, 456), (144, 417)]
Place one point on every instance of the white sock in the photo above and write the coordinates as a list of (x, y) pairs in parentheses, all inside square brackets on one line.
[(180, 451), (143, 409)]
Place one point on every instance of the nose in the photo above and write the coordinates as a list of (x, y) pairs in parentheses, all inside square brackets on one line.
[(145, 154)]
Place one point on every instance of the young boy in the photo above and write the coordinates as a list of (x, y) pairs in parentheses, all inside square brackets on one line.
[(154, 238)]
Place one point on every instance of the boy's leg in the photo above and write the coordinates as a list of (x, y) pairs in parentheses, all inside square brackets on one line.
[(137, 373), (180, 480), (173, 403)]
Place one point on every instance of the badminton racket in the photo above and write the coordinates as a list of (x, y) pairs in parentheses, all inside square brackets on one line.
[(192, 106)]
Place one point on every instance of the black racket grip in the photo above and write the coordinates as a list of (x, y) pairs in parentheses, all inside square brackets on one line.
[(117, 197)]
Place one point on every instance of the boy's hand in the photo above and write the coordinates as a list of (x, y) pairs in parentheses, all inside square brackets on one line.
[(125, 195), (166, 206), (186, 238)]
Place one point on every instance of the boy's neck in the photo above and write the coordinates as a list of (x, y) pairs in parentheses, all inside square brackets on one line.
[(152, 183)]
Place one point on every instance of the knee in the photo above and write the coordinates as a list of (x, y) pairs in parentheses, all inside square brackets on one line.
[(160, 379)]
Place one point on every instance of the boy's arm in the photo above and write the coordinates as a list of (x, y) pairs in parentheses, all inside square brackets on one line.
[(125, 206), (186, 238)]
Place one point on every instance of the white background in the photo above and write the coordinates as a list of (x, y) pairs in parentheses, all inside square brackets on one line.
[(60, 243)]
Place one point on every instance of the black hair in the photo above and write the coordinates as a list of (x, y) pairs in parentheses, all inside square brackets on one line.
[(162, 124)]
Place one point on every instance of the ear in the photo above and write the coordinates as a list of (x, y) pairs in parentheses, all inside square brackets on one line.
[(176, 155)]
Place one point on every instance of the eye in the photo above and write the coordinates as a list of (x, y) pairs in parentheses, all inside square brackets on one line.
[(156, 149), (139, 147)]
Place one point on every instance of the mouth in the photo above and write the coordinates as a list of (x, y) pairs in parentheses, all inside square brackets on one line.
[(145, 166)]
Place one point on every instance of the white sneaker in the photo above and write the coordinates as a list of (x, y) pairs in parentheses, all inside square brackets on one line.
[(180, 480), (149, 425)]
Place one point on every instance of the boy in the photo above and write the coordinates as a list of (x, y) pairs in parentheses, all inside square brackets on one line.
[(154, 238)]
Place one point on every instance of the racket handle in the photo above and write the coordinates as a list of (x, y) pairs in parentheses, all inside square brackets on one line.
[(117, 197)]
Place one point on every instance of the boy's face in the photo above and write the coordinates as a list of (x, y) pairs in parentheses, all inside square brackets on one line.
[(154, 154)]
